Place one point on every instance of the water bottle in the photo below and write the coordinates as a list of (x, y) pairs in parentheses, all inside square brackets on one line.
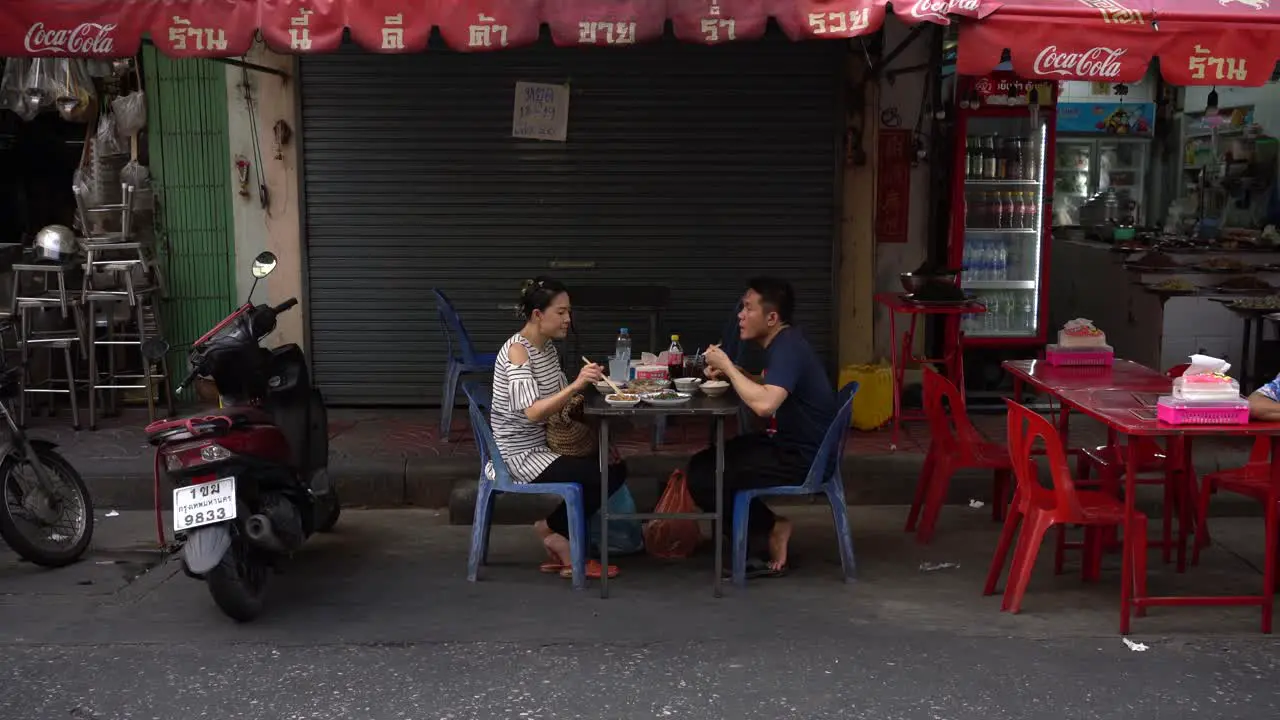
[(966, 264), (1027, 314), (620, 368), (977, 261), (994, 316), (1002, 262)]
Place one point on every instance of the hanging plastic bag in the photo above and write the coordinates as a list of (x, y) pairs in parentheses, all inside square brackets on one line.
[(131, 113), (107, 137), (626, 537), (673, 539), (73, 91), (39, 88), (11, 84)]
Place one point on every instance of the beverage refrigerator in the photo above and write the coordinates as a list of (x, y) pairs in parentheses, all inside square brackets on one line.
[(1000, 206)]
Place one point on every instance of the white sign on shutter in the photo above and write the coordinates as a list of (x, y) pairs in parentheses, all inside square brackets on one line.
[(541, 111)]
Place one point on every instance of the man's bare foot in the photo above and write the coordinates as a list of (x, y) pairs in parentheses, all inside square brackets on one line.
[(779, 537)]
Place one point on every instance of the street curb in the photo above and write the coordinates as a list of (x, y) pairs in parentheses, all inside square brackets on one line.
[(435, 482)]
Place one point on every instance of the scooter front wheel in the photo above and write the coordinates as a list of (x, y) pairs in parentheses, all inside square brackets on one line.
[(239, 582)]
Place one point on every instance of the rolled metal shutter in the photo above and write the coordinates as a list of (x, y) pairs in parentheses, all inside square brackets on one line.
[(685, 166)]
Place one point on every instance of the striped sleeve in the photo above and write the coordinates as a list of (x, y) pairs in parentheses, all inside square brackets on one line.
[(521, 386)]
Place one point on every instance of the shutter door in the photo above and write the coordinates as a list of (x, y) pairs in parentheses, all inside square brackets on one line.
[(686, 166)]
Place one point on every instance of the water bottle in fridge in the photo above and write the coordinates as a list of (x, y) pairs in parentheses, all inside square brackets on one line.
[(1001, 262), (995, 309), (1027, 313)]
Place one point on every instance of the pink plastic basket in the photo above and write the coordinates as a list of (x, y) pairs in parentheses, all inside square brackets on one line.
[(1179, 412), (1053, 355)]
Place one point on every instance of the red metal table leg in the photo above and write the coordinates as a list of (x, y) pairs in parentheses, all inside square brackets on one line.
[(898, 374)]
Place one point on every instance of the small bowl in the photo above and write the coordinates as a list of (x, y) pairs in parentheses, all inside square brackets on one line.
[(687, 384), (604, 388), (614, 401), (715, 388)]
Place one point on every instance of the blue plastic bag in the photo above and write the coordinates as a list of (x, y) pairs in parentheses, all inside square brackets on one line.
[(626, 537)]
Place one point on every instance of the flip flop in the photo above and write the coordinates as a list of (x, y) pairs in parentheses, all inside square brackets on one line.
[(757, 568), (551, 567), (593, 571)]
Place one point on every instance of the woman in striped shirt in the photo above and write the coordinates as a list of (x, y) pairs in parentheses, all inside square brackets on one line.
[(528, 388)]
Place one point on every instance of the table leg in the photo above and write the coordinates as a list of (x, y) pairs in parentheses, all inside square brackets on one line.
[(1253, 361), (1244, 357), (1273, 534), (1185, 491), (604, 508), (898, 374), (718, 523), (1129, 580)]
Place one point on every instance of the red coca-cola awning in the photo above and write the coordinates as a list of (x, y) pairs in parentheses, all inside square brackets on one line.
[(1199, 42), (224, 28)]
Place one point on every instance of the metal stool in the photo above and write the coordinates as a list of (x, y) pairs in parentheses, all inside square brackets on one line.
[(129, 329), (53, 340)]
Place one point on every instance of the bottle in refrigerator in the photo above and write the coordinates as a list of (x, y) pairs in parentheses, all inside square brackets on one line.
[(989, 157), (1029, 166), (1026, 315), (1008, 218), (973, 157), (1000, 269), (1027, 209), (1015, 159)]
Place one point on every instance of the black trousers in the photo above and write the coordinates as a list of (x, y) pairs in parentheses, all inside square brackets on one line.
[(750, 461), (586, 472)]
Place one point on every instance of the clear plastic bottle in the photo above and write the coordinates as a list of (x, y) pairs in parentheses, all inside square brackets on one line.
[(994, 314), (620, 369), (1027, 316), (1002, 261)]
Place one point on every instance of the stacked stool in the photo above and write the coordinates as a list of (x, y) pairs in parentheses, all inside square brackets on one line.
[(47, 305), (121, 292)]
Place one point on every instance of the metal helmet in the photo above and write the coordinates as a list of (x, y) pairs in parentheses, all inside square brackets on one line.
[(57, 243)]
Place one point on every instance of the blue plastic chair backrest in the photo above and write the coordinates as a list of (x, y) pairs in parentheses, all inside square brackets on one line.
[(479, 394), (454, 330), (826, 464), (489, 448)]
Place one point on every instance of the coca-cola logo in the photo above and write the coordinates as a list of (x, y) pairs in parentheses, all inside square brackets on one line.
[(83, 39), (939, 9), (1098, 62)]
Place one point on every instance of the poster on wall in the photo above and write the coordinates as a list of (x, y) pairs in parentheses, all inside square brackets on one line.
[(541, 112), (893, 185), (1133, 119)]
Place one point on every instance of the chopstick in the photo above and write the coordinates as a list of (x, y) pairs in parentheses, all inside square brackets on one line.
[(616, 391)]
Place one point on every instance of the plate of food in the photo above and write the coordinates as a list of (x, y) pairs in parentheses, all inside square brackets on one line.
[(1244, 285), (687, 384), (625, 400), (1173, 286), (647, 385), (666, 398)]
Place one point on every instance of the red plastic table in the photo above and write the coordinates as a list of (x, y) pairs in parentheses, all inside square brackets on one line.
[(899, 303), (1115, 401)]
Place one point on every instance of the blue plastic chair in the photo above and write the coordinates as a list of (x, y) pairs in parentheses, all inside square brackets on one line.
[(823, 479), (463, 359), (479, 396)]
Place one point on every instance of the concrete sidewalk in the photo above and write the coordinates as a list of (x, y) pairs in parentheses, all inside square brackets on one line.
[(393, 458)]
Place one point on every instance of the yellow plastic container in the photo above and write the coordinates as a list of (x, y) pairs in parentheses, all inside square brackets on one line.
[(873, 403)]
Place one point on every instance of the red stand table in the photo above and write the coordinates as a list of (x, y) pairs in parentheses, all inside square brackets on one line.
[(899, 303), (1112, 396)]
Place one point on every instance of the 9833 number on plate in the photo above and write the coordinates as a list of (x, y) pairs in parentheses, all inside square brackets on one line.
[(204, 504)]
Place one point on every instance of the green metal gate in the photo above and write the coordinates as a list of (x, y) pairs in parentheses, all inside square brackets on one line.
[(189, 150)]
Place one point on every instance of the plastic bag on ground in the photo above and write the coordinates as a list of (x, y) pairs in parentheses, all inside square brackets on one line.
[(673, 539), (131, 113), (626, 537)]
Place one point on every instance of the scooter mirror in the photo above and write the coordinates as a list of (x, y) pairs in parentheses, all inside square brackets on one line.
[(155, 348), (264, 264)]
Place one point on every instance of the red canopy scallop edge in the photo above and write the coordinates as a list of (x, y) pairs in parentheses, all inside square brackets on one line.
[(1199, 42), (225, 28)]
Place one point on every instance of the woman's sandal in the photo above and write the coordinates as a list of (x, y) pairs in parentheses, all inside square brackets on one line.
[(593, 571)]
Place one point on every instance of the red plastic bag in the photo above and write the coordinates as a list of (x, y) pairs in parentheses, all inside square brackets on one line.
[(673, 539)]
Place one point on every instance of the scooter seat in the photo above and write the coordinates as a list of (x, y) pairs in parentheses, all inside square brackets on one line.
[(214, 422)]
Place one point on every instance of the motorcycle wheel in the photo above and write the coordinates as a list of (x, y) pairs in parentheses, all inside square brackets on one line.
[(57, 549), (330, 511), (239, 582)]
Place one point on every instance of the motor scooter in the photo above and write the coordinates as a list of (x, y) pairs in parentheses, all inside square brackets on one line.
[(250, 480)]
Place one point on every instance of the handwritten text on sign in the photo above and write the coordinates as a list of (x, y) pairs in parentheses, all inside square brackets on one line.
[(541, 111)]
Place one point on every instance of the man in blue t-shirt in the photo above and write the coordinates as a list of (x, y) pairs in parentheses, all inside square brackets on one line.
[(794, 390)]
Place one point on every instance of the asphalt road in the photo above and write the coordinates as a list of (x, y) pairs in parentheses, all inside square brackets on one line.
[(376, 624)]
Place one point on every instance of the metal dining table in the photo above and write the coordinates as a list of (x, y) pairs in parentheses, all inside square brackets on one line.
[(700, 405)]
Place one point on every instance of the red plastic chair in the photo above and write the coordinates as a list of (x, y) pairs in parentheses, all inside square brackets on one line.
[(1039, 508), (1253, 480), (955, 445), (1154, 468)]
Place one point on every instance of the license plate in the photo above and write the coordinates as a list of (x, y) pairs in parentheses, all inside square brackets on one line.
[(204, 504)]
